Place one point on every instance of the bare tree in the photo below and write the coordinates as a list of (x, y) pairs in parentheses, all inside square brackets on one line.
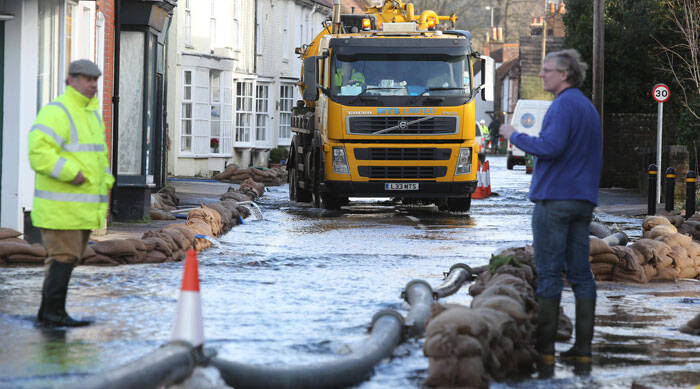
[(684, 56)]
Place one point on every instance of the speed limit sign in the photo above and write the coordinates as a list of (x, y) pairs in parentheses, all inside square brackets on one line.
[(661, 93)]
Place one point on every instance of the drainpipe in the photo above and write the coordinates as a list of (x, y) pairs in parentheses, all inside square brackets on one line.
[(115, 99)]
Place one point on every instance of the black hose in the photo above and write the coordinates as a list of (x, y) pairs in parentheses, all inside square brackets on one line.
[(386, 334), (458, 275), (171, 363)]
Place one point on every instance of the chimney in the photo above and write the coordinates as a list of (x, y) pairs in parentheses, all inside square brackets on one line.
[(500, 34), (562, 8), (494, 33), (552, 8)]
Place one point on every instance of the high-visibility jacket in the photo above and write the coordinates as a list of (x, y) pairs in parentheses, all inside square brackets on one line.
[(68, 136), (484, 130), (354, 76)]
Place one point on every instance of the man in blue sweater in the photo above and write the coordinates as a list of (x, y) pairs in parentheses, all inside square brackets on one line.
[(565, 190)]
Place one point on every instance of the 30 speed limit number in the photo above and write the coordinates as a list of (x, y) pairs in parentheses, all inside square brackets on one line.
[(661, 92)]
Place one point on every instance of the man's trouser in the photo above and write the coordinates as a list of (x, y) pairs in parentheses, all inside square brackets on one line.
[(65, 246)]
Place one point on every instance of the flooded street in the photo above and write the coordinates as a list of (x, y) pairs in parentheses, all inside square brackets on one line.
[(302, 284)]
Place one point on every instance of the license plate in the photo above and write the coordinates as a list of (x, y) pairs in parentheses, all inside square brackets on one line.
[(401, 186)]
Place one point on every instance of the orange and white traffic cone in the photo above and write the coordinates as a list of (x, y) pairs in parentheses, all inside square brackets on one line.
[(188, 318), (487, 179), (479, 192)]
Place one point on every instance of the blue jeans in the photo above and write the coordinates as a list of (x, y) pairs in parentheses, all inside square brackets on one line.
[(560, 230)]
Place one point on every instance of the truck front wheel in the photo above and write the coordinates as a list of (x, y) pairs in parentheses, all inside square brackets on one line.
[(510, 162), (460, 204)]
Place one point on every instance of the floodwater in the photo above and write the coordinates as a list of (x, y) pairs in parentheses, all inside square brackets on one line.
[(301, 286)]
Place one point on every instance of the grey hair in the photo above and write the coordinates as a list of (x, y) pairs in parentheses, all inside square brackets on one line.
[(569, 61)]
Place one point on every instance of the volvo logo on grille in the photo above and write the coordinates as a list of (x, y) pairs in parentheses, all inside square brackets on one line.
[(403, 125)]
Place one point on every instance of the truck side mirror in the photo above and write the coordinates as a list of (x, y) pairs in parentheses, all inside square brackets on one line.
[(487, 78), (310, 78)]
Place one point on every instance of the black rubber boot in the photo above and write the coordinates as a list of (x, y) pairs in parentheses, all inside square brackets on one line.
[(53, 302), (580, 353), (547, 321)]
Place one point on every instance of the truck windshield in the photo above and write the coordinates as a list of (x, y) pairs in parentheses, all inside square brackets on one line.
[(399, 75)]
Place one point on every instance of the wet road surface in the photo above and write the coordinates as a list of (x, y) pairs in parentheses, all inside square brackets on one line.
[(302, 284)]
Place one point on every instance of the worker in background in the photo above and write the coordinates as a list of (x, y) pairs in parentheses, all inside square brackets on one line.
[(484, 133), (67, 150), (495, 132)]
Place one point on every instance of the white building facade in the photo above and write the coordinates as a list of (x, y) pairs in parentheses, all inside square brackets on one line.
[(39, 39), (233, 75)]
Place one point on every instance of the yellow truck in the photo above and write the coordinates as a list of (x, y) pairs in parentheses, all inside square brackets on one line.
[(388, 111)]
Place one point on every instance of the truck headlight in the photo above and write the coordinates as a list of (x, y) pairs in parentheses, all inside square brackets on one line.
[(340, 161), (464, 161)]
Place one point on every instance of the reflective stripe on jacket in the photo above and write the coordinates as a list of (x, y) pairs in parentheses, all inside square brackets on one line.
[(68, 136)]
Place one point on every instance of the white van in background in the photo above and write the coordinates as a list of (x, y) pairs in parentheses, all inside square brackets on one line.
[(527, 118)]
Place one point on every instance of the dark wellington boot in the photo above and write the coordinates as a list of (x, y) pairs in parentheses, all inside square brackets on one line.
[(40, 314), (547, 320), (54, 299), (580, 353)]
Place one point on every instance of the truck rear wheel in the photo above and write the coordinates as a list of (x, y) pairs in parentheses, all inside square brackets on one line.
[(295, 192)]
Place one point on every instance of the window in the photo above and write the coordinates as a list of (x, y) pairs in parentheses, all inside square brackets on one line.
[(244, 110), (261, 112), (212, 26), (286, 99), (215, 119), (186, 115), (236, 25), (188, 24), (48, 75), (285, 34)]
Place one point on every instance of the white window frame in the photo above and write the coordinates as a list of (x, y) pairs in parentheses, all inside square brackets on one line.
[(237, 39), (262, 114), (188, 24), (212, 26), (215, 102), (286, 102), (183, 119), (244, 109)]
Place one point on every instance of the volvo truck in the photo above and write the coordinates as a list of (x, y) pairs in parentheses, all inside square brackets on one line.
[(388, 110)]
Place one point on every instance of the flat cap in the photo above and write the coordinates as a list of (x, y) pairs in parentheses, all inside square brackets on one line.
[(84, 67)]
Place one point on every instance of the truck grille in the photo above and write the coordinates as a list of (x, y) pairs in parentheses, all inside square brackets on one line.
[(394, 172), (402, 154), (435, 125)]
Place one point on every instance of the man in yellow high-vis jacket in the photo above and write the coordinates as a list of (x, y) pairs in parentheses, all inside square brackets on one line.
[(67, 150)]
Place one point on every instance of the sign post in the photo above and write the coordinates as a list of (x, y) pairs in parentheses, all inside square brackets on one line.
[(661, 93)]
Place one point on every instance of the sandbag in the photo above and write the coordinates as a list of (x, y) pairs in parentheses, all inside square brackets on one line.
[(6, 233), (186, 232), (629, 259), (609, 258), (155, 256), (502, 303), (680, 258), (650, 271), (13, 248), (598, 246), (160, 214), (100, 259), (457, 372), (465, 320), (159, 244), (687, 272), (694, 250), (602, 271), (178, 236), (224, 212), (88, 253), (115, 247), (676, 239), (668, 273), (653, 221), (15, 240), (659, 230), (638, 275), (449, 343), (25, 259)]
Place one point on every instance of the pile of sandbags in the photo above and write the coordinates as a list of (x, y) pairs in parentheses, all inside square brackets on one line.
[(165, 199), (692, 327), (252, 189), (663, 255), (14, 250), (274, 176), (494, 338)]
